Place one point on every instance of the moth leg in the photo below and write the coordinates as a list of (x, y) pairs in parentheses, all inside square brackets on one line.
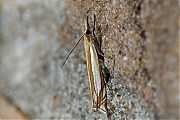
[(98, 49), (95, 38), (94, 27), (101, 103), (99, 34)]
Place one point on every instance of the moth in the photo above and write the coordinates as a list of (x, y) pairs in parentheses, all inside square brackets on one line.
[(96, 80)]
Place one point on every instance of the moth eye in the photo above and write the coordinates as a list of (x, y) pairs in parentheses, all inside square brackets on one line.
[(88, 32)]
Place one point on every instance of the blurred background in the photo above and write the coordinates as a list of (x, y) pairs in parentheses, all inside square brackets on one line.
[(142, 36)]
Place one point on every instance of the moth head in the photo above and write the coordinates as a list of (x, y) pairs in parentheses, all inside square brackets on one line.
[(87, 26)]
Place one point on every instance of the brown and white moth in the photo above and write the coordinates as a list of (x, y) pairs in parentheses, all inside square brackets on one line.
[(96, 79)]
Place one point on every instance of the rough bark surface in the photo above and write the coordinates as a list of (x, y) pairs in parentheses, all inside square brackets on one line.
[(141, 36), (161, 22)]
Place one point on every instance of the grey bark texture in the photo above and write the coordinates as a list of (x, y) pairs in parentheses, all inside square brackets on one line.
[(142, 37)]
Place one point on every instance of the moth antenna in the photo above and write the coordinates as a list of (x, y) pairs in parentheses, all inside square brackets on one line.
[(71, 51), (94, 23), (87, 26)]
